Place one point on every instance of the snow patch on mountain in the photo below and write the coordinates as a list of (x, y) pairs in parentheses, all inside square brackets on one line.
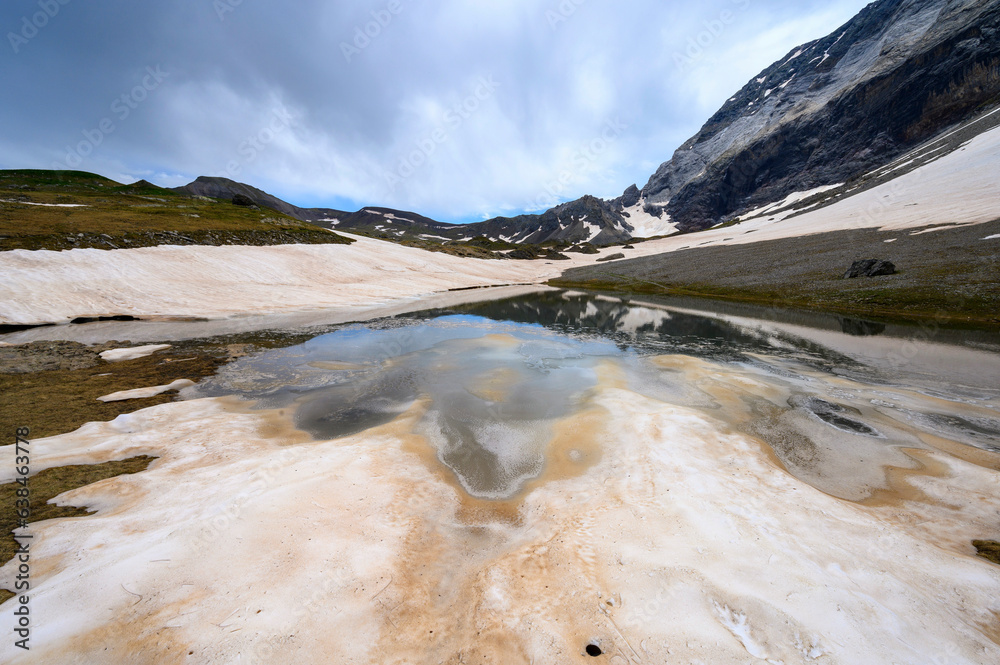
[(784, 203), (645, 225)]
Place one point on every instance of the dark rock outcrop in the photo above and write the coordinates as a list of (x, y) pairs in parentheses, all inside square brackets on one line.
[(611, 257), (870, 268), (244, 201), (630, 197)]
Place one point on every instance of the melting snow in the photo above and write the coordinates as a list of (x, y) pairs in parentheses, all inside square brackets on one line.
[(645, 225), (595, 230), (131, 353), (389, 215), (736, 623), (143, 393), (48, 205), (794, 197)]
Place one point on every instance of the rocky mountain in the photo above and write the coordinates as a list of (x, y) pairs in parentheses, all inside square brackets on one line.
[(375, 220), (224, 188), (588, 219), (385, 221), (809, 128), (836, 108)]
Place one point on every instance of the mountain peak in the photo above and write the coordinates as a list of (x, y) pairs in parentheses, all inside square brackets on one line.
[(837, 107)]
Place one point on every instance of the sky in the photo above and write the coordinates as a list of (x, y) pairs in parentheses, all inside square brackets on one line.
[(458, 110)]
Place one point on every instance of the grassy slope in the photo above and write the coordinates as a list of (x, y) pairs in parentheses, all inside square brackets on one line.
[(951, 276), (140, 215)]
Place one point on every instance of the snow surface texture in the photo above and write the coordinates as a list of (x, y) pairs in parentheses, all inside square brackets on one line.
[(645, 225), (47, 205), (681, 543), (142, 393), (216, 282), (131, 353)]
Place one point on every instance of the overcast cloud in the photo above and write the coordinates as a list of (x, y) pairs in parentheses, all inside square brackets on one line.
[(457, 110)]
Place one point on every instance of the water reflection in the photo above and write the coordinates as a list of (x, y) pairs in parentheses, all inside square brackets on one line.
[(492, 381), (644, 329), (493, 389)]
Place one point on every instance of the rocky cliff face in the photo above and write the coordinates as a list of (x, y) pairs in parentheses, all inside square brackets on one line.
[(831, 110)]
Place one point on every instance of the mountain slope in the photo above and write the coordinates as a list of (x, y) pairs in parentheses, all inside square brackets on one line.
[(374, 220), (61, 210), (939, 224), (224, 188), (833, 109), (830, 112)]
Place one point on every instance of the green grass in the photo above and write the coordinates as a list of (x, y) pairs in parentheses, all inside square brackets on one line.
[(140, 215), (61, 400)]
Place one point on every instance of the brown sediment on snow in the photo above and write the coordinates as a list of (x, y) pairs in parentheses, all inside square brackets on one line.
[(656, 531)]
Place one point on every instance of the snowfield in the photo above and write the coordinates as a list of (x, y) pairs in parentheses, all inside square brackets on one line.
[(217, 282)]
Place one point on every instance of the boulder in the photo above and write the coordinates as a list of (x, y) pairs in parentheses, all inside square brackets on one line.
[(612, 257), (870, 268), (244, 201), (524, 253)]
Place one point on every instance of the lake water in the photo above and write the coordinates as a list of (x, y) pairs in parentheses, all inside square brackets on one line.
[(535, 478), (839, 408)]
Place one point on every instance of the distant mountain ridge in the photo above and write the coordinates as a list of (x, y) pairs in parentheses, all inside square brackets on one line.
[(828, 113), (587, 219)]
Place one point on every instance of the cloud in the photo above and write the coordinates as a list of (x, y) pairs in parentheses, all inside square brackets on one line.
[(456, 110)]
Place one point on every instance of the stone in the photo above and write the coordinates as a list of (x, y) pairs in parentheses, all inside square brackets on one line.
[(244, 201), (870, 268)]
